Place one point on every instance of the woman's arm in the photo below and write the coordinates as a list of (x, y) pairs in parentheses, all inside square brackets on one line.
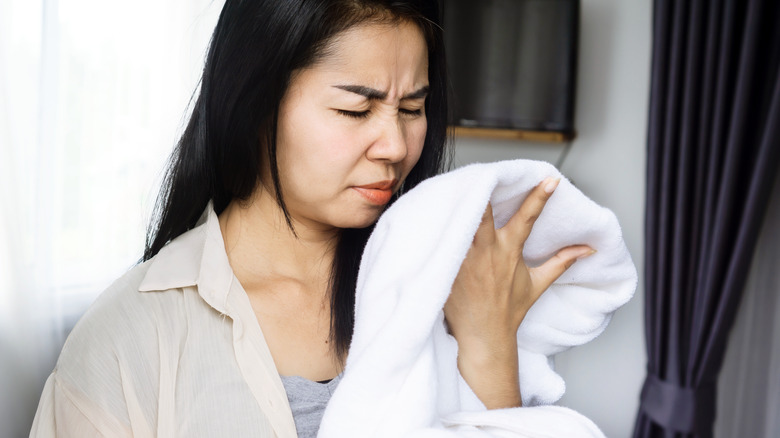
[(492, 293)]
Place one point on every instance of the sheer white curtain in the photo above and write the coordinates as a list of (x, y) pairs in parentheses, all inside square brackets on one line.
[(92, 96), (749, 384)]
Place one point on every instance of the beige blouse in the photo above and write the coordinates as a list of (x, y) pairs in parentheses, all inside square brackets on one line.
[(172, 348)]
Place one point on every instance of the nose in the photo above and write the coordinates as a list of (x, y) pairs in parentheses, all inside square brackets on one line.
[(390, 143)]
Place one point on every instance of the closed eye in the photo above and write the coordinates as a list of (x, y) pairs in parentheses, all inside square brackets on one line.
[(408, 112), (365, 114), (354, 114)]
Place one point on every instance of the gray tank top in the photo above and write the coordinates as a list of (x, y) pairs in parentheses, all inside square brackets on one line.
[(307, 401)]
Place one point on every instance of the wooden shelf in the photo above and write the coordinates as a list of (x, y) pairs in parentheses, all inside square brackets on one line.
[(510, 134)]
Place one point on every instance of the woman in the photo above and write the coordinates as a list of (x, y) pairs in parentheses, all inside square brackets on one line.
[(312, 117)]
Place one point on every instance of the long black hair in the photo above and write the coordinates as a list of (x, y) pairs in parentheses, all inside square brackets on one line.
[(254, 50)]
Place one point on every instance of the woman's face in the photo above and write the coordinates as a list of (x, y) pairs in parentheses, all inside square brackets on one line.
[(352, 126)]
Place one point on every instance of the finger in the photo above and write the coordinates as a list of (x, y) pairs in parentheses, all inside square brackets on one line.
[(546, 274), (486, 232), (519, 226)]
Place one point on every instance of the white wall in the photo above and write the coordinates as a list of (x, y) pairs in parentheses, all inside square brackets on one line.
[(607, 162)]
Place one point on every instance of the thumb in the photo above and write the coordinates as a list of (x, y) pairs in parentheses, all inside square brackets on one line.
[(545, 275)]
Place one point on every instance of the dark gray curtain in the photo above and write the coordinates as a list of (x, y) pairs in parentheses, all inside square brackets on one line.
[(713, 152)]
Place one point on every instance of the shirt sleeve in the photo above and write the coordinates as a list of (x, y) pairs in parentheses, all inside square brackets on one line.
[(63, 413)]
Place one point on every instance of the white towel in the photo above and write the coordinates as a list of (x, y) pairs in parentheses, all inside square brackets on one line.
[(401, 376)]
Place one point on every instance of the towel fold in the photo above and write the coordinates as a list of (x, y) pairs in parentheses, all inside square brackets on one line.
[(401, 376)]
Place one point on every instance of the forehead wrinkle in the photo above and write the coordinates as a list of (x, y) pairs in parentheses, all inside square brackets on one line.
[(374, 94)]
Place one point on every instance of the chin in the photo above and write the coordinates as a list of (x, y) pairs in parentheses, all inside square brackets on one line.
[(362, 219)]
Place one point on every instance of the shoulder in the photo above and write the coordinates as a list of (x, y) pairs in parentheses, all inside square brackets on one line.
[(123, 327), (122, 309), (108, 371), (114, 346)]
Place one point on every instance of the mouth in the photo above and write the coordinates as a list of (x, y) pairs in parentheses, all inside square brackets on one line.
[(378, 193)]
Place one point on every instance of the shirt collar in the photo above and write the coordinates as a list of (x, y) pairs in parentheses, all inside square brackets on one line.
[(195, 258)]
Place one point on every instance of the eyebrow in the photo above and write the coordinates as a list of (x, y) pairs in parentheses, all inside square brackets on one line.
[(374, 94)]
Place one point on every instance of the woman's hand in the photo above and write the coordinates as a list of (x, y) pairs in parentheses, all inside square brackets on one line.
[(492, 294)]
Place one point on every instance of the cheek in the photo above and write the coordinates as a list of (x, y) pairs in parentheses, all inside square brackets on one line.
[(415, 139), (303, 147)]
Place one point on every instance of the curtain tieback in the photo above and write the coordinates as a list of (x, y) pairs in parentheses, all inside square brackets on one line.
[(682, 409)]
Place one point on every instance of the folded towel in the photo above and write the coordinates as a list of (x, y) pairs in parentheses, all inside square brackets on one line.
[(401, 376)]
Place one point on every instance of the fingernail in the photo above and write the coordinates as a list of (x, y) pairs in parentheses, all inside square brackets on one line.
[(587, 254), (550, 186)]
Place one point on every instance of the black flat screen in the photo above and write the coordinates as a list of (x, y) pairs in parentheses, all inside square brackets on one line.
[(513, 62)]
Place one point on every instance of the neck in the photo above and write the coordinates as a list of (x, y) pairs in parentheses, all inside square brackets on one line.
[(261, 247)]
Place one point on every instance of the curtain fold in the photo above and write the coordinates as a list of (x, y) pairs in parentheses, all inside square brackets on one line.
[(749, 376), (713, 152)]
